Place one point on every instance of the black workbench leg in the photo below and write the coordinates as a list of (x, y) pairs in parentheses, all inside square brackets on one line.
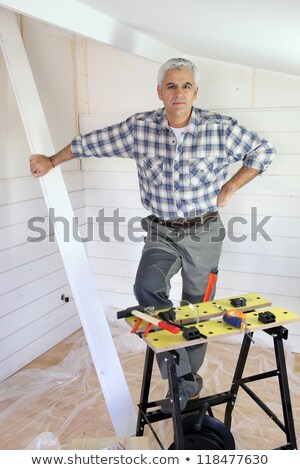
[(171, 358), (239, 370), (284, 392), (145, 390)]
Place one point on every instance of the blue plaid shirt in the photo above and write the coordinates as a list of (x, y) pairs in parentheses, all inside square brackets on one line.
[(178, 180)]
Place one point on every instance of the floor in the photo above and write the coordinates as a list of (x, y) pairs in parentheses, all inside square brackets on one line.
[(56, 401)]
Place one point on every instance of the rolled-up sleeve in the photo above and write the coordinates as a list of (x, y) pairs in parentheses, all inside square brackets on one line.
[(255, 151), (113, 141)]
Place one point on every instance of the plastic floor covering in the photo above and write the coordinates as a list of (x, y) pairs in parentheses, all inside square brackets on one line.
[(50, 407)]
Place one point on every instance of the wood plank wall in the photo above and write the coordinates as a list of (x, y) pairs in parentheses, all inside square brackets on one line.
[(269, 267), (262, 100), (32, 279), (33, 318)]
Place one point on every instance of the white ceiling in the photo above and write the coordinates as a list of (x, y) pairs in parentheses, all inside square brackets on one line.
[(258, 33)]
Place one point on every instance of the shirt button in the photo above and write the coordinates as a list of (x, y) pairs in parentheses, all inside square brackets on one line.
[(176, 185), (178, 204)]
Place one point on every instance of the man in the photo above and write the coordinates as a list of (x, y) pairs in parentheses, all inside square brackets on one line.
[(182, 155)]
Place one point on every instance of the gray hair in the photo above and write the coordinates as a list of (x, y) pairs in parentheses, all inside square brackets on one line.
[(178, 63)]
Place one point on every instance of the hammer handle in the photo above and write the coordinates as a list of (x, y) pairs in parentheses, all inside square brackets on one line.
[(155, 321)]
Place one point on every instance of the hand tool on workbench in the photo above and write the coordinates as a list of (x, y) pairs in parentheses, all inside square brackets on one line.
[(153, 320), (235, 318)]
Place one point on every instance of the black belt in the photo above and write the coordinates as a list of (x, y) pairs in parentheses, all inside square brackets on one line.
[(184, 223)]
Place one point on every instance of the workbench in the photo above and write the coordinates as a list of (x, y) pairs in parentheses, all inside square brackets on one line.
[(214, 329)]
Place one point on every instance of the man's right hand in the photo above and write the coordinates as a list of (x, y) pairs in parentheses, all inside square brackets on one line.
[(39, 165)]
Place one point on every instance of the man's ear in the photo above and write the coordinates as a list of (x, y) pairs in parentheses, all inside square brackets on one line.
[(159, 92), (196, 93)]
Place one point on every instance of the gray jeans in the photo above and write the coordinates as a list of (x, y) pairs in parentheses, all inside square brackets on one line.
[(196, 251)]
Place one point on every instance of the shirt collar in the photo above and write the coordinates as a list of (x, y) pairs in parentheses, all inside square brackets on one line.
[(192, 125)]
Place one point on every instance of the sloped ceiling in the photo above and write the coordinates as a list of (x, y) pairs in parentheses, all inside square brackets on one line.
[(263, 34), (258, 33)]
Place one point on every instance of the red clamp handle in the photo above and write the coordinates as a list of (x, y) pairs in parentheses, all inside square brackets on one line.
[(166, 326)]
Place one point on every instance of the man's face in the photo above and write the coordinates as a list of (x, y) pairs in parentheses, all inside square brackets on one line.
[(178, 92)]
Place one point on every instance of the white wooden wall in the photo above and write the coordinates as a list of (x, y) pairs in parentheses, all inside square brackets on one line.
[(114, 84), (128, 85), (33, 318), (266, 102)]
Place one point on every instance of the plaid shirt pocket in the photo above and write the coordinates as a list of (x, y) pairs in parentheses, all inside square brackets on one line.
[(201, 172), (153, 169)]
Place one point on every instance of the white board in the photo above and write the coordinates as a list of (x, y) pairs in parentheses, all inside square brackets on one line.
[(92, 316)]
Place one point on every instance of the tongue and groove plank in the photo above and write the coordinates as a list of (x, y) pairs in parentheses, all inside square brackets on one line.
[(92, 316)]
